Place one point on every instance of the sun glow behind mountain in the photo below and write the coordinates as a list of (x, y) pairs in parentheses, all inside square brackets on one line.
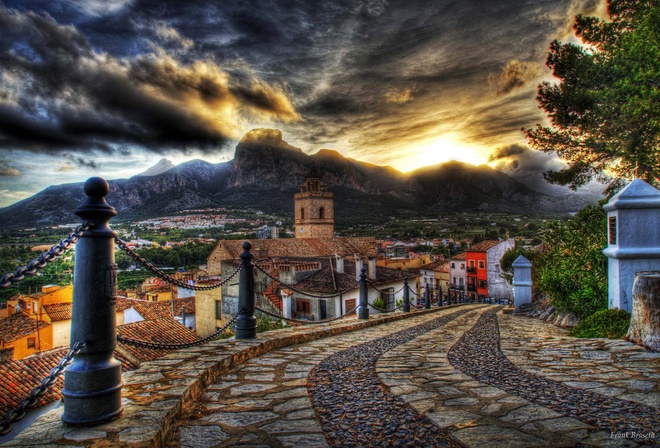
[(440, 150)]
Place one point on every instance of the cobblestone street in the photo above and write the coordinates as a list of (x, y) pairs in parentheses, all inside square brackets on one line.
[(435, 380)]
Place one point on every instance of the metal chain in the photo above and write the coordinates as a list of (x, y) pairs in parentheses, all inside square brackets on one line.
[(46, 257), (306, 322), (135, 256), (158, 345), (284, 285), (18, 413)]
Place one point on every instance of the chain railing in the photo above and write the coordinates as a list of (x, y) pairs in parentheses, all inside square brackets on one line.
[(46, 257), (308, 294), (382, 310), (17, 414), (373, 285), (163, 346), (306, 322), (135, 256)]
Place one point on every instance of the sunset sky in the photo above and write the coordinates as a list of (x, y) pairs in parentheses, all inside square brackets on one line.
[(95, 87)]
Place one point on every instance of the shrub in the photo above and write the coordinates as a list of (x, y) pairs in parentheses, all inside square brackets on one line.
[(572, 269), (612, 323), (379, 303)]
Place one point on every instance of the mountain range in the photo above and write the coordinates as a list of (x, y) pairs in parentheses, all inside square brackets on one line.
[(266, 172)]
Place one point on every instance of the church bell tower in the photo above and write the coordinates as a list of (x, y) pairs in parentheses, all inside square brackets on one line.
[(314, 209)]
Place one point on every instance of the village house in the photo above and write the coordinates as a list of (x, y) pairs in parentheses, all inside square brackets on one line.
[(458, 278), (436, 276), (483, 270)]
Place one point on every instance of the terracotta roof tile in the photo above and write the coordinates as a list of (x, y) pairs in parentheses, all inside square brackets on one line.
[(483, 246), (165, 331), (302, 247), (150, 310), (458, 257), (19, 326), (59, 311)]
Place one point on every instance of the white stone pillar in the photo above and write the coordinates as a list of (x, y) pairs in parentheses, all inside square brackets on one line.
[(633, 239), (287, 304), (522, 281)]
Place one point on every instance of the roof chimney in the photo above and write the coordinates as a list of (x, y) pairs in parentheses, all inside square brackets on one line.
[(340, 263), (359, 264), (372, 268)]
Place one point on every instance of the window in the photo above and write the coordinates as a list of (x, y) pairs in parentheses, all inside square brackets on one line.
[(612, 229), (302, 213), (497, 268), (454, 280), (303, 308), (321, 213), (453, 265), (462, 265), (218, 309), (483, 284), (31, 342), (482, 264)]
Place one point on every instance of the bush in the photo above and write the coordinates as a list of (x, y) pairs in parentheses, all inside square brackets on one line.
[(612, 323), (573, 270), (379, 303)]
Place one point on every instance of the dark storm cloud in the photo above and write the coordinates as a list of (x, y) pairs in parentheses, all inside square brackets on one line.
[(58, 93), (370, 74), (522, 161)]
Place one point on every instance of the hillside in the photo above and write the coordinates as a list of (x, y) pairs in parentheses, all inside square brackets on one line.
[(266, 171)]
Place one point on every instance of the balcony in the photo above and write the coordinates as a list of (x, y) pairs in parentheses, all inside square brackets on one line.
[(457, 287), (472, 288), (471, 270)]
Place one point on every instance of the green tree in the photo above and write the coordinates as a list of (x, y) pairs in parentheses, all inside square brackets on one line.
[(605, 109), (506, 262), (572, 269)]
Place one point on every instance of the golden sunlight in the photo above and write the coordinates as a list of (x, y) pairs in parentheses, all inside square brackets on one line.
[(440, 150)]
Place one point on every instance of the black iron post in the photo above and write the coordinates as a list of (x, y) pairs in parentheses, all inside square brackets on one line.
[(427, 297), (440, 303), (246, 323), (406, 296), (92, 383), (363, 309)]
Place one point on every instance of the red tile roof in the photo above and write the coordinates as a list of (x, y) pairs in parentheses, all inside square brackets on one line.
[(19, 377), (165, 331), (150, 310), (59, 311), (19, 326), (483, 246), (299, 247), (459, 257)]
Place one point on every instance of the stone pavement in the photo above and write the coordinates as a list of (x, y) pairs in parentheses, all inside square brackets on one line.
[(441, 373)]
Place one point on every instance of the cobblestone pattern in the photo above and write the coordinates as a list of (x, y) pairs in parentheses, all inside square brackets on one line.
[(265, 402), (155, 395), (354, 407), (477, 354)]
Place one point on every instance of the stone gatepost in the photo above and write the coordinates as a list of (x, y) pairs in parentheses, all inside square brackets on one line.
[(633, 229), (522, 281), (287, 303)]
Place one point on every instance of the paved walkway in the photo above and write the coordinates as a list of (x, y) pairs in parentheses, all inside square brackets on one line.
[(445, 379)]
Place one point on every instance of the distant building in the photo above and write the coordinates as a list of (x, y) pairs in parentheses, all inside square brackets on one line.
[(314, 213), (483, 270), (458, 277)]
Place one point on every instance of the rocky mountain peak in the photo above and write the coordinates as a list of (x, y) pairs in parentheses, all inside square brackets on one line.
[(159, 168)]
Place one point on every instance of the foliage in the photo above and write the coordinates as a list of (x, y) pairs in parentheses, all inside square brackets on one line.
[(612, 323), (605, 111), (379, 303), (510, 256), (265, 323), (572, 269), (189, 255), (399, 303)]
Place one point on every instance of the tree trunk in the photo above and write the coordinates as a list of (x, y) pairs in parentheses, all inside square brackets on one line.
[(645, 322)]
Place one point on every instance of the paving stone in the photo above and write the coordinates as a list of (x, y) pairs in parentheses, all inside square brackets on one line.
[(529, 413), (201, 436), (447, 391), (462, 401), (304, 440), (238, 419), (294, 426), (297, 392), (250, 388), (563, 424), (253, 403), (452, 417), (488, 392), (496, 437), (290, 405), (80, 435)]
